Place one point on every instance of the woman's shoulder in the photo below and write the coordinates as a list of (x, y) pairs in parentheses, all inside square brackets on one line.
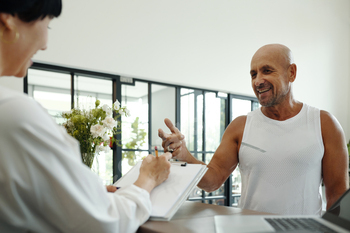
[(23, 118), (9, 94), (13, 102), (18, 110)]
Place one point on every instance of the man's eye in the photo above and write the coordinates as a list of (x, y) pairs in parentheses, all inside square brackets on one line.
[(267, 71), (253, 76)]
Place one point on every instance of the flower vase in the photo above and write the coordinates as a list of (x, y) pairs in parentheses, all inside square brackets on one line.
[(88, 158)]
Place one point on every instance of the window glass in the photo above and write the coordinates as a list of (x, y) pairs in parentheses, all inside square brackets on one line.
[(51, 90), (256, 105), (163, 106), (198, 137), (130, 158), (239, 107), (196, 192), (215, 202), (192, 126), (135, 126), (214, 121), (87, 90), (219, 192), (187, 117), (208, 157)]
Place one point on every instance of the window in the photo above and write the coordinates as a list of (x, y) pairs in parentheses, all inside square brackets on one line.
[(135, 128), (202, 122), (201, 115), (51, 90), (240, 106)]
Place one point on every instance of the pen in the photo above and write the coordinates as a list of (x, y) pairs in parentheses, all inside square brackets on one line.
[(156, 149)]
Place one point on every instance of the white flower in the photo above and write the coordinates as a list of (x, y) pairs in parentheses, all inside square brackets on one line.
[(109, 122), (97, 130), (127, 112), (106, 137), (116, 105), (107, 109)]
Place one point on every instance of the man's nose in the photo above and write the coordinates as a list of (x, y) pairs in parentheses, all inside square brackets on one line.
[(259, 80)]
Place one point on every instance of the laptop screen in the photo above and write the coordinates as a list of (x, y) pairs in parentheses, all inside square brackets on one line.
[(339, 213)]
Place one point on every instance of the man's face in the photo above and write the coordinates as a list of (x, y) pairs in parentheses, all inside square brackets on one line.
[(269, 75)]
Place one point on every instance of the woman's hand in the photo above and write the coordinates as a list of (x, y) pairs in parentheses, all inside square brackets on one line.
[(111, 188), (153, 171)]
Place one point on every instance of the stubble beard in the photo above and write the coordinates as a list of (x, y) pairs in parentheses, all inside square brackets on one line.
[(273, 100)]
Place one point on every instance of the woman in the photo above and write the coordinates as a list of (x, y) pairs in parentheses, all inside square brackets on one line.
[(44, 185)]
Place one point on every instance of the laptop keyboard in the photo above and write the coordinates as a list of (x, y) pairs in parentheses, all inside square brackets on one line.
[(295, 224)]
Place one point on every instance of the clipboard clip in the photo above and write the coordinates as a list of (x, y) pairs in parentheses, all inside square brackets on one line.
[(182, 164)]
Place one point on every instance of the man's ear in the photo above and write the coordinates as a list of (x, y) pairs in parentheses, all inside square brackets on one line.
[(292, 72)]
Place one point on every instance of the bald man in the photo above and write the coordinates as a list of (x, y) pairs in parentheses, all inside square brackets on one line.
[(284, 149)]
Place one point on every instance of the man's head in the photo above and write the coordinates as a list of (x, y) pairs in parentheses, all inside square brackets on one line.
[(272, 71)]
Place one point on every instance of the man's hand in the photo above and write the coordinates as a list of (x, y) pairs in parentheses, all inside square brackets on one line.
[(173, 142)]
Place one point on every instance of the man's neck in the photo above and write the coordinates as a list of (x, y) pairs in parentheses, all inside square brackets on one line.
[(282, 111)]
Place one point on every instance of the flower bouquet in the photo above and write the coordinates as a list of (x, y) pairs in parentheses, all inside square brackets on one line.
[(94, 128)]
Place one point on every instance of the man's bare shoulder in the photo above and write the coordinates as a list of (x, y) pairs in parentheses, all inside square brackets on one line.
[(240, 120), (236, 127), (328, 122), (332, 132), (326, 115)]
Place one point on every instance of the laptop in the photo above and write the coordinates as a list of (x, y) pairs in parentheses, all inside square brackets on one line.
[(335, 219)]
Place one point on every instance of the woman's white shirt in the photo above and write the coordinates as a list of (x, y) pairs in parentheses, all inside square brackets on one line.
[(44, 185)]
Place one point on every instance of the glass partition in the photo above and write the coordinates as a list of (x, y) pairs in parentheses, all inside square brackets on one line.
[(51, 90), (163, 106), (187, 117), (239, 107), (135, 126), (88, 90)]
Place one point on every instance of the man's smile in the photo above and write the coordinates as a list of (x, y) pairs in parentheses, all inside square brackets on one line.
[(260, 91)]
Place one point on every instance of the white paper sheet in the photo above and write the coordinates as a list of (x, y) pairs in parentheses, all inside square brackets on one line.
[(165, 196)]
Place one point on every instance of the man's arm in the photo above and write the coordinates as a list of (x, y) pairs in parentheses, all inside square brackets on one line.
[(224, 161), (335, 159)]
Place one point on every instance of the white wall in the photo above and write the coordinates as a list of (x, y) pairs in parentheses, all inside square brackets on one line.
[(209, 44)]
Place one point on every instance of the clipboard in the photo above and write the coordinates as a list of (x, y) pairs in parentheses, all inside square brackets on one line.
[(168, 197)]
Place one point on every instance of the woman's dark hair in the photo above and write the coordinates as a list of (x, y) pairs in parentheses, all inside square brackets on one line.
[(31, 10)]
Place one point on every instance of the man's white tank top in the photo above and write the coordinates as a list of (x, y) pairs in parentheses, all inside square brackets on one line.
[(281, 163)]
